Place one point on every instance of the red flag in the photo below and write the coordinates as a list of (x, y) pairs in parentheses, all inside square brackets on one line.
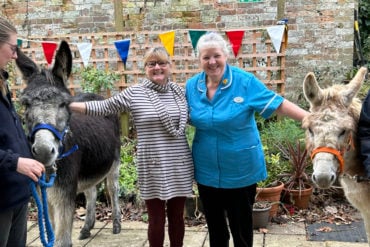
[(49, 50), (235, 38)]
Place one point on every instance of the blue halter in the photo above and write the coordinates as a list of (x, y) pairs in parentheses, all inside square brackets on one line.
[(42, 207), (59, 135)]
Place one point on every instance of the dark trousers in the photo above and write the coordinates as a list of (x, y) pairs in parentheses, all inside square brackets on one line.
[(13, 226), (228, 206), (157, 219)]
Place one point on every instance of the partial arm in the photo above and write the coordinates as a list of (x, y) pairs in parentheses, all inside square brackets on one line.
[(291, 110), (79, 107)]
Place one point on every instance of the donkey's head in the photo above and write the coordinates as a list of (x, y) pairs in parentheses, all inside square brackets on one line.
[(331, 126), (46, 100)]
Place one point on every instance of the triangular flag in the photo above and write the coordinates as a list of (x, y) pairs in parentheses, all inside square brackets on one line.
[(19, 42), (194, 37), (236, 38), (123, 47), (85, 52), (168, 41), (49, 50), (276, 34)]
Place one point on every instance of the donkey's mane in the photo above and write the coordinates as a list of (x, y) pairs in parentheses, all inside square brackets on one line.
[(332, 100)]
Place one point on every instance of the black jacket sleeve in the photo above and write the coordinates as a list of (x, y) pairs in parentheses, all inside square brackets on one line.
[(363, 133)]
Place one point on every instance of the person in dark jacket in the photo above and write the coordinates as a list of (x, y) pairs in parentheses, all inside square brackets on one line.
[(17, 168), (364, 133)]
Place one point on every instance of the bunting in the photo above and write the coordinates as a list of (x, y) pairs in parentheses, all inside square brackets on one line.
[(85, 52), (276, 34), (19, 42), (49, 50), (168, 41), (195, 36), (235, 38), (123, 47)]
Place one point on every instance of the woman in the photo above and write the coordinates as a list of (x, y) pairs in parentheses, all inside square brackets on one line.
[(227, 149), (17, 168), (164, 163)]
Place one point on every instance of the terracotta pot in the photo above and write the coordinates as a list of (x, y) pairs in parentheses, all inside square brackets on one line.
[(261, 217), (271, 194), (298, 198)]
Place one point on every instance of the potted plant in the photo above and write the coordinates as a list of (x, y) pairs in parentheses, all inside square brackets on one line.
[(274, 132), (271, 188), (297, 188), (261, 214)]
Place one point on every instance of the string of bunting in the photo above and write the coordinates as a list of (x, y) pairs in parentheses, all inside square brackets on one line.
[(235, 38)]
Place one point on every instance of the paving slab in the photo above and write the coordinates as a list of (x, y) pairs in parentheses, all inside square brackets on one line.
[(134, 234)]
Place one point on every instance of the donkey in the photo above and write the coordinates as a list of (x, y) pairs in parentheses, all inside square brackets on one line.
[(331, 129), (54, 130)]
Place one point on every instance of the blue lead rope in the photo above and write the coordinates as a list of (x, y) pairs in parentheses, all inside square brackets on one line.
[(42, 208)]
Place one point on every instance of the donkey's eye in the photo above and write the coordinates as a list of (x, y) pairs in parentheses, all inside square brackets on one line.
[(310, 131), (342, 133)]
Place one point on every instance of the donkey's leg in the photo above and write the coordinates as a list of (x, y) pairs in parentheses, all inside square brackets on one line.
[(90, 195), (113, 190), (366, 217), (64, 207)]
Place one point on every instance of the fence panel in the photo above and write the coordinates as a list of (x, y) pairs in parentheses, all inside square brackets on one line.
[(256, 55)]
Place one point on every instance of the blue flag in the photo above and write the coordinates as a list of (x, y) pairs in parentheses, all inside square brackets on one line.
[(123, 46)]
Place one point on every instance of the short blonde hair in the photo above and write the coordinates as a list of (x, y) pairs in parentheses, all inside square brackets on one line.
[(157, 53), (212, 40)]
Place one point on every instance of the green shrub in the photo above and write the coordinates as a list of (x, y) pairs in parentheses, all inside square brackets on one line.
[(128, 175), (94, 80), (276, 133)]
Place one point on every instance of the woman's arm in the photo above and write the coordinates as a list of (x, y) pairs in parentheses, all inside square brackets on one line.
[(79, 107), (291, 110)]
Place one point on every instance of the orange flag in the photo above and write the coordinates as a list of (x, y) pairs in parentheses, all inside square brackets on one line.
[(49, 50), (236, 38)]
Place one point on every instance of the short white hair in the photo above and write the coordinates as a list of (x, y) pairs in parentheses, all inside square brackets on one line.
[(212, 40)]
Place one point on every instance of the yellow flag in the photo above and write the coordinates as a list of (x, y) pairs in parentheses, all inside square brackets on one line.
[(168, 41)]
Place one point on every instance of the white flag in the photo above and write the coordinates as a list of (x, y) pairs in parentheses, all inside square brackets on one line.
[(85, 52), (276, 34)]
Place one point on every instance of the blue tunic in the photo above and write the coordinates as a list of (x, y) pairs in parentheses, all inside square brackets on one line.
[(227, 149)]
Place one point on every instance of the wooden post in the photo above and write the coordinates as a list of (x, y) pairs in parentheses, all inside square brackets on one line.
[(118, 19)]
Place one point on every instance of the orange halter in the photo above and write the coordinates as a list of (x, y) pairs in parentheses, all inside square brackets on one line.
[(338, 154)]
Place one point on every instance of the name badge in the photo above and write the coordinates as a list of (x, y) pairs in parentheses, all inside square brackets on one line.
[(238, 100)]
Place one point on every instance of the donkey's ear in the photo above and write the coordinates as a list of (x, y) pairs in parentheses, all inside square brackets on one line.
[(26, 65), (63, 62), (354, 86), (311, 90)]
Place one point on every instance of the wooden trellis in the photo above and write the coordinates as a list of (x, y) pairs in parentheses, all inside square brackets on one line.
[(256, 55)]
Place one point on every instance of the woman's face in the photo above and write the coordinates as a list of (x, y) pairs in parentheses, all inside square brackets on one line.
[(213, 62), (8, 50), (157, 71)]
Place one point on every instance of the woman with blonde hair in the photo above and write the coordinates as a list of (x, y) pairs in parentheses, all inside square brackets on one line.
[(164, 164)]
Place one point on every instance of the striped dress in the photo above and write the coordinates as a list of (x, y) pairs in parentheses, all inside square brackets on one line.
[(164, 162)]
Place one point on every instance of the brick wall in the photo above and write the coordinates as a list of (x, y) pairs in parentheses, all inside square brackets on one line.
[(320, 31)]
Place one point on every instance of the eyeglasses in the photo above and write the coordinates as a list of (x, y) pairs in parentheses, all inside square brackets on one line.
[(152, 64), (14, 48)]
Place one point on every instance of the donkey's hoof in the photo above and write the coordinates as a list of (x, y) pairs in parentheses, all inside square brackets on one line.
[(116, 227), (84, 234)]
